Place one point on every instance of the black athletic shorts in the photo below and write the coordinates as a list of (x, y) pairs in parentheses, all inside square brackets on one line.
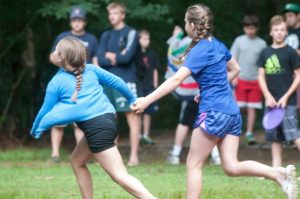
[(100, 132), (188, 113)]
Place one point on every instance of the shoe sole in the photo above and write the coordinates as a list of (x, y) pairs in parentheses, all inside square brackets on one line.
[(292, 189)]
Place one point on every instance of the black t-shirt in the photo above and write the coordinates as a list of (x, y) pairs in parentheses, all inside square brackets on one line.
[(147, 63), (279, 65)]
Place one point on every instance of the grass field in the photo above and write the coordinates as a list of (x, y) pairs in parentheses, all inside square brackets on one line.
[(29, 174)]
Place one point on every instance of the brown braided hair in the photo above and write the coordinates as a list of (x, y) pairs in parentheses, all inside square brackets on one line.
[(73, 55), (201, 16)]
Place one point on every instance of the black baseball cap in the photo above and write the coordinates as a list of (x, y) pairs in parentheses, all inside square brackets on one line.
[(77, 12)]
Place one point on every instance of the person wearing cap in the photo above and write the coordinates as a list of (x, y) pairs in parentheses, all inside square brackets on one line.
[(77, 23), (292, 17)]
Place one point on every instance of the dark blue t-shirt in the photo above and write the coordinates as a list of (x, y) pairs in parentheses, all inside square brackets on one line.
[(87, 39), (208, 64), (124, 43)]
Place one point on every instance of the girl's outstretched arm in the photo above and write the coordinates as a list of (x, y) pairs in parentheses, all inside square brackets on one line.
[(50, 100), (233, 69), (164, 89)]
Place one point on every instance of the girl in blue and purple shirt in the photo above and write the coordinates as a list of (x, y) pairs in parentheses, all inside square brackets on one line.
[(219, 121)]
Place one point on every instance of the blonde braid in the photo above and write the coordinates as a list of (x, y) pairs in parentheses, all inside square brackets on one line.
[(78, 74), (201, 16)]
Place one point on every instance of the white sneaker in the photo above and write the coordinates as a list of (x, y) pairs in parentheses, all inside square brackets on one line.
[(173, 160), (289, 185), (215, 161)]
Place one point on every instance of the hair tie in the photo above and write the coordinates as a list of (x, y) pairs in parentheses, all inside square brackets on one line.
[(74, 96)]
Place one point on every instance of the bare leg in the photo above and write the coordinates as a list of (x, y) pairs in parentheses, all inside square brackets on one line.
[(297, 143), (80, 156), (56, 138), (181, 134), (134, 123), (276, 154), (146, 124), (78, 133), (228, 148), (251, 115), (201, 146), (112, 163)]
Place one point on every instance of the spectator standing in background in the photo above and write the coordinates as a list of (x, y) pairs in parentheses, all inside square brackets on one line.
[(246, 50), (148, 65), (116, 52), (292, 18)]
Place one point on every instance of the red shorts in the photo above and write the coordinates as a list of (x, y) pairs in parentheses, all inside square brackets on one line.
[(248, 94)]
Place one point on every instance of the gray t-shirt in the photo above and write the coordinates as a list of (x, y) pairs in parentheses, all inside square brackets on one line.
[(247, 50)]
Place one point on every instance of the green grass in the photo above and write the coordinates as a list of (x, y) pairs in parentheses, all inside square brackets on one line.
[(29, 174)]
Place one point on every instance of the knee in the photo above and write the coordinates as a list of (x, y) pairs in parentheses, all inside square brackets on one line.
[(231, 169), (118, 177), (76, 164), (192, 163)]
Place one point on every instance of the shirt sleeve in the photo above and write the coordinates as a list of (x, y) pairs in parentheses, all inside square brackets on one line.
[(57, 39), (295, 60), (109, 79), (227, 53), (51, 98), (261, 60), (196, 60), (102, 48), (94, 47), (235, 49), (131, 48)]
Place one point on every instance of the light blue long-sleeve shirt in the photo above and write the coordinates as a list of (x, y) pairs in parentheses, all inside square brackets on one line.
[(58, 107)]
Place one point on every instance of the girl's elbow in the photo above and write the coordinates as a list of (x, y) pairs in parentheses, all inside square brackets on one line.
[(177, 81)]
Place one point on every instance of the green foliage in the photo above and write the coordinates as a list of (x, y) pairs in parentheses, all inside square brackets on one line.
[(135, 9)]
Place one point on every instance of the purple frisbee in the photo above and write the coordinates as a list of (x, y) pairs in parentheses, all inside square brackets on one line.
[(273, 118)]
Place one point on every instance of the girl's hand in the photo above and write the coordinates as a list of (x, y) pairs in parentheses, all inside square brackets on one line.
[(282, 102), (270, 101), (197, 98), (234, 82), (36, 135), (139, 105)]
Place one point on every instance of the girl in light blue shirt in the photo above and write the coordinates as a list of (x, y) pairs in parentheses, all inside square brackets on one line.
[(75, 94)]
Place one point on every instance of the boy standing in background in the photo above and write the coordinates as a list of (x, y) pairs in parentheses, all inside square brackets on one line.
[(148, 65), (116, 51), (246, 49), (279, 77)]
